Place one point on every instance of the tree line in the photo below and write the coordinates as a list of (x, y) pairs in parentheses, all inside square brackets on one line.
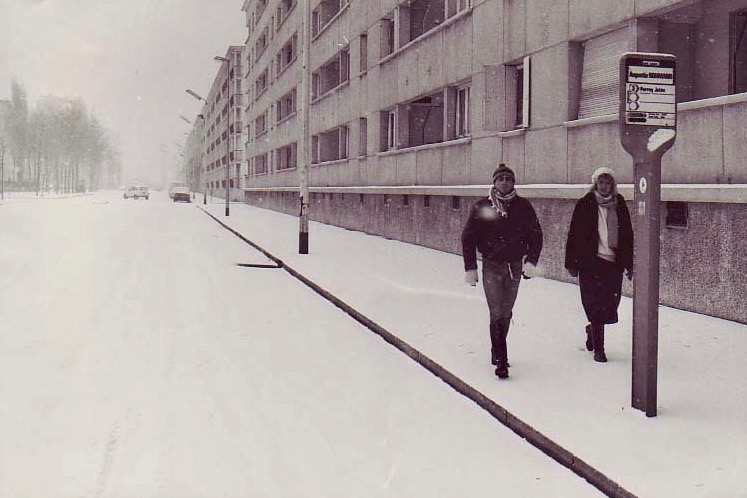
[(56, 145)]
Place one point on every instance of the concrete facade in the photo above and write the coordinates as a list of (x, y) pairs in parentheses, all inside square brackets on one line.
[(221, 122), (414, 101)]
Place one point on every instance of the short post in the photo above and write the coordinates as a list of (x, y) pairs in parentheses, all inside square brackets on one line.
[(648, 126)]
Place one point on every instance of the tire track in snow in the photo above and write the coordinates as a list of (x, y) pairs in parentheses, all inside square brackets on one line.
[(107, 461)]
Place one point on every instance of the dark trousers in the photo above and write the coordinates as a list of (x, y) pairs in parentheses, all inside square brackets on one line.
[(500, 281), (601, 286)]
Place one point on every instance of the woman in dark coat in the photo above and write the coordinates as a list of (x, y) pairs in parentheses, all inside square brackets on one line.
[(598, 249)]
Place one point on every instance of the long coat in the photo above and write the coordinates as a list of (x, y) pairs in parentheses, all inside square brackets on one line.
[(583, 235)]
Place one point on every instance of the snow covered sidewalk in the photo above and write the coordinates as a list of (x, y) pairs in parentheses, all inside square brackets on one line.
[(695, 447)]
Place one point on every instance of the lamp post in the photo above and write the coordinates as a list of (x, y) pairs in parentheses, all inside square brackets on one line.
[(304, 159), (189, 166), (202, 162), (228, 128)]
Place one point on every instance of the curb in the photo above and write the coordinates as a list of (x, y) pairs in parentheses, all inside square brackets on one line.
[(524, 430)]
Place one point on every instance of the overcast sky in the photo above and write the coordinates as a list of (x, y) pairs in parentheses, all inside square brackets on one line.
[(129, 60)]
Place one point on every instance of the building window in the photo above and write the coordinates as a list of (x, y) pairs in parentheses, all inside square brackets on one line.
[(363, 40), (324, 13), (462, 111), (426, 201), (425, 120), (387, 36), (285, 157), (283, 11), (454, 7), (260, 125), (332, 74), (518, 94), (362, 136), (260, 84), (388, 129), (287, 54), (600, 76), (261, 44), (676, 214), (423, 15), (286, 106), (332, 145)]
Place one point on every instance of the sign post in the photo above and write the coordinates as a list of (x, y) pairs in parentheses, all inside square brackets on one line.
[(648, 126)]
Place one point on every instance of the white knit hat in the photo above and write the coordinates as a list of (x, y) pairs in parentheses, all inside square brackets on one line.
[(601, 171)]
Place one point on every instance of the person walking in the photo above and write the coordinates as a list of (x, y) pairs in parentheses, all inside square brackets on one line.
[(503, 226), (599, 247)]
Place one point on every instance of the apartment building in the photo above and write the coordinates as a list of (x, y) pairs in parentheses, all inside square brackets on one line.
[(223, 114), (413, 103), (193, 153)]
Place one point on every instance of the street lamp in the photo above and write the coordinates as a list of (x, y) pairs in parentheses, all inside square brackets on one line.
[(303, 160), (202, 165), (228, 127)]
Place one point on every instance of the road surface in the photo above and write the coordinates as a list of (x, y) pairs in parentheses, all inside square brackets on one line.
[(137, 359)]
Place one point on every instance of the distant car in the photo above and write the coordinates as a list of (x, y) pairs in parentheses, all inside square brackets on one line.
[(180, 194), (136, 193), (175, 185)]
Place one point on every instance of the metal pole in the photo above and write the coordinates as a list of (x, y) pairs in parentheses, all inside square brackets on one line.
[(647, 176), (228, 135), (304, 159)]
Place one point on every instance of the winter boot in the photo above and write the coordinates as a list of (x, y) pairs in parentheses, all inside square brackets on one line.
[(494, 334), (501, 370), (597, 334), (589, 342), (503, 326), (502, 348)]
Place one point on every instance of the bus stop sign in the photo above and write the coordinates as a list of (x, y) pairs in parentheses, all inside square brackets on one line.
[(648, 125), (648, 105)]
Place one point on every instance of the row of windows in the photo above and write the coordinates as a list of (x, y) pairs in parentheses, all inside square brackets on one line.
[(284, 58), (220, 184), (282, 158), (282, 12), (677, 212), (425, 120), (325, 13), (445, 114)]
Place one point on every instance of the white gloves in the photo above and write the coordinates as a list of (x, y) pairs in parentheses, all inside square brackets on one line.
[(530, 270), (471, 277)]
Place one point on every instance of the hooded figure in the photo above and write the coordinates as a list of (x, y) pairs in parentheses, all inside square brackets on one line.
[(599, 247)]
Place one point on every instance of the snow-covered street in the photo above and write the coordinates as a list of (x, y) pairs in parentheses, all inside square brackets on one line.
[(137, 359)]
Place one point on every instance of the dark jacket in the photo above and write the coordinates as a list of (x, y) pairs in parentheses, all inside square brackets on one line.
[(583, 235), (501, 239)]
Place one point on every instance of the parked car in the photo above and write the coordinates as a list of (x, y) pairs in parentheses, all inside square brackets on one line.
[(174, 185), (180, 194), (136, 193)]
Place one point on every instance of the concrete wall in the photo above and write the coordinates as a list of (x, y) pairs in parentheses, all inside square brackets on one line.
[(702, 266)]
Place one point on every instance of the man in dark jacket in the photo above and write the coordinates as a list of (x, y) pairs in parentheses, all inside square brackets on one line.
[(598, 249), (505, 229)]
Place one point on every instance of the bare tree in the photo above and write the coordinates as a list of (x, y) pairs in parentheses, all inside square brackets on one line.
[(18, 129)]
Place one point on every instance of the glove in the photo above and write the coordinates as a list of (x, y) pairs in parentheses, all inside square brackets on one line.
[(573, 272), (629, 274), (529, 270), (471, 277)]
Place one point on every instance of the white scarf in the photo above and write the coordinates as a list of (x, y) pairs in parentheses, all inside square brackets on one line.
[(500, 202)]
